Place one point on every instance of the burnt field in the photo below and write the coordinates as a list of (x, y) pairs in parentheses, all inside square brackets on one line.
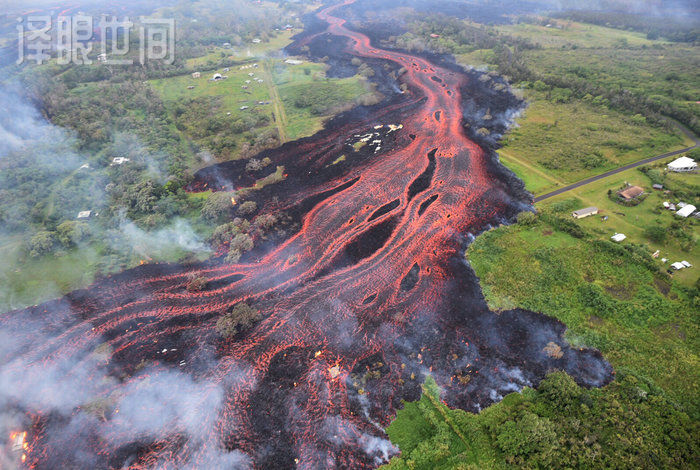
[(369, 295)]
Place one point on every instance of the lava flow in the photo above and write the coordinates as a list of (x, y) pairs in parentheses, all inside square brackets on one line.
[(366, 298)]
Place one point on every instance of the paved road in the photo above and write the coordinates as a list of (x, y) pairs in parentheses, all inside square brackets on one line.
[(623, 168)]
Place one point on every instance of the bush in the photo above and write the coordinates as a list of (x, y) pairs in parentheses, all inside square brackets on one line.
[(241, 317), (527, 218), (196, 283), (217, 206), (242, 242), (656, 234), (247, 208)]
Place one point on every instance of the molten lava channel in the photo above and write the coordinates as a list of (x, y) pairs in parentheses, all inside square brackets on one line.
[(365, 300)]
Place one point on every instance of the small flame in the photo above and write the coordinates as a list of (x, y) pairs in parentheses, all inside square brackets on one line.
[(233, 201), (318, 353)]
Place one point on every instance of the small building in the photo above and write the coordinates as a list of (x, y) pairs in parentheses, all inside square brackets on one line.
[(633, 192), (217, 76), (581, 213), (293, 62), (682, 164), (686, 210), (618, 237), (243, 108), (84, 214), (196, 74), (658, 186), (102, 57), (119, 160), (434, 36), (191, 87), (686, 264), (257, 41), (677, 266), (84, 166), (666, 204)]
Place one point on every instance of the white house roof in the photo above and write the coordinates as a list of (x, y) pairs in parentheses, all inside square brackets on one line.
[(686, 210), (677, 265), (682, 162), (618, 237)]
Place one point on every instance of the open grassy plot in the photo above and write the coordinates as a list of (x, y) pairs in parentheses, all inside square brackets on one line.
[(681, 239), (249, 50), (609, 296), (570, 33), (274, 98), (559, 143), (28, 281)]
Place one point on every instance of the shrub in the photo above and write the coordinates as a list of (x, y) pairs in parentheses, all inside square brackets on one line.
[(196, 283), (241, 317), (247, 208)]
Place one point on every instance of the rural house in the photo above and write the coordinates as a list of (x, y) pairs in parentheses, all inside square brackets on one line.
[(632, 192), (581, 213), (682, 164), (196, 74)]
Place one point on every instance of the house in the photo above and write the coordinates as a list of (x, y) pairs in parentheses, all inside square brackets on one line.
[(243, 108), (630, 193), (84, 166), (677, 266), (658, 186), (119, 161), (84, 214), (257, 41), (682, 164), (434, 36), (102, 57), (217, 76), (196, 74), (293, 62), (581, 213), (686, 210), (618, 237), (191, 87), (686, 264)]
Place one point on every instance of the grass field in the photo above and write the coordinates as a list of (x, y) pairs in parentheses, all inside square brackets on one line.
[(26, 281), (556, 144)]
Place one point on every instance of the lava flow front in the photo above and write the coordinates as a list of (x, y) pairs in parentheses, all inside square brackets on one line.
[(370, 295)]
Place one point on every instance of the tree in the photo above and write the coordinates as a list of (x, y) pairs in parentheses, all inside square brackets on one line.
[(217, 206), (41, 243), (530, 434), (71, 232)]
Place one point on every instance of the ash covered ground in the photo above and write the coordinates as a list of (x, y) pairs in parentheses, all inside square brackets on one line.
[(368, 295)]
